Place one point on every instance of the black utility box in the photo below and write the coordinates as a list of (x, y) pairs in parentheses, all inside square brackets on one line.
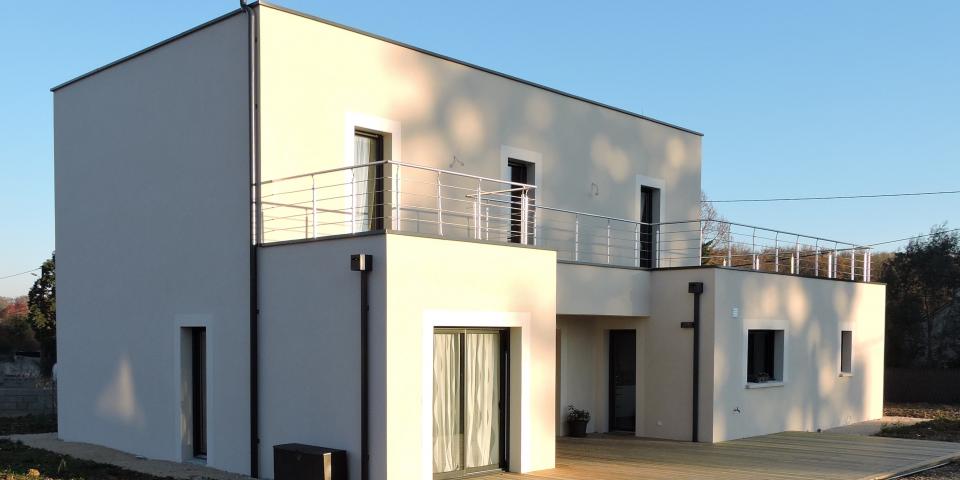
[(295, 461)]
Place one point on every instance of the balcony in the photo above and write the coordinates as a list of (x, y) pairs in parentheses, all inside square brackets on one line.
[(402, 197)]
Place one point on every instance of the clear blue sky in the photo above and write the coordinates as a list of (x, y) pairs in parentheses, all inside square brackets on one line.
[(805, 98)]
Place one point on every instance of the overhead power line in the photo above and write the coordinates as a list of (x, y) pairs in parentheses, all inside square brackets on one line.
[(21, 273), (833, 197)]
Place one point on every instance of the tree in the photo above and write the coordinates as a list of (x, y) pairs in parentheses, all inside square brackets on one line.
[(42, 314), (716, 232), (922, 281)]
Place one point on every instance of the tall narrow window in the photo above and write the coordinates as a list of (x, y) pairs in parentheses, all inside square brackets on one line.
[(198, 384), (368, 182), (846, 352), (520, 172), (647, 199)]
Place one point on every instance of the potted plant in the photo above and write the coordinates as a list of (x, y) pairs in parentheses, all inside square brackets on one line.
[(577, 421)]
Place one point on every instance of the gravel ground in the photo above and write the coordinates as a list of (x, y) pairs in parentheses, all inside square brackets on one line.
[(922, 410), (951, 472)]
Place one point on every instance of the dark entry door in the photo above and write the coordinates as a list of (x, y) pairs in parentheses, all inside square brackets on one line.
[(623, 380), (198, 359)]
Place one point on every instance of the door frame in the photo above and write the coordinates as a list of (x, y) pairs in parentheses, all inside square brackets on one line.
[(503, 378), (518, 421)]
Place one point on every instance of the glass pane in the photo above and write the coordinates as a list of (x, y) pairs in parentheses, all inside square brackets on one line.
[(482, 388), (366, 150), (446, 403)]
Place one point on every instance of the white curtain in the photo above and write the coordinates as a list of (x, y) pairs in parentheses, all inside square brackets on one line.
[(482, 388), (446, 403), (364, 182)]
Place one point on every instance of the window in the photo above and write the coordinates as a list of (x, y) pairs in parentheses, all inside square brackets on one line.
[(846, 352), (649, 198), (764, 356), (520, 172), (368, 182)]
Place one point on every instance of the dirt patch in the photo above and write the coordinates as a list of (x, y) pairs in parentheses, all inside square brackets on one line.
[(922, 410), (940, 429), (17, 459)]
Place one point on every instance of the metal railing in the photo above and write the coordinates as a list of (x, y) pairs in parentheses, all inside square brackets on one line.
[(389, 195), (405, 197)]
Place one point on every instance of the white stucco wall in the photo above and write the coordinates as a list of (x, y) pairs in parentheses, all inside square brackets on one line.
[(812, 312), (598, 290), (433, 282), (318, 81), (152, 233), (310, 349)]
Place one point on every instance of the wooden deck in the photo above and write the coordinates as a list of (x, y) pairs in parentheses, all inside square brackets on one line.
[(788, 455)]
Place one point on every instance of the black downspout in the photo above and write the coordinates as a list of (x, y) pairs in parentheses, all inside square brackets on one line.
[(254, 244), (696, 288), (363, 263)]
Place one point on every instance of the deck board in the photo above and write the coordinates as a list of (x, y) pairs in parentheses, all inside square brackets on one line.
[(780, 456)]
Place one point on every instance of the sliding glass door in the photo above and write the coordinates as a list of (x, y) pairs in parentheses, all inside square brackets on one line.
[(468, 398)]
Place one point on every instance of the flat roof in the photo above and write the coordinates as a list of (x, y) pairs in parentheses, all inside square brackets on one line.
[(378, 37)]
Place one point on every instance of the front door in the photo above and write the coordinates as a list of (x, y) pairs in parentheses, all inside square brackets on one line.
[(468, 401), (623, 380)]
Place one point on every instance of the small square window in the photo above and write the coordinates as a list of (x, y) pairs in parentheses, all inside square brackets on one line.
[(764, 356), (846, 351)]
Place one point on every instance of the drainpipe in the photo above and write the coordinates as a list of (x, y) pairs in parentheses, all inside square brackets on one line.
[(255, 241), (696, 288), (363, 263)]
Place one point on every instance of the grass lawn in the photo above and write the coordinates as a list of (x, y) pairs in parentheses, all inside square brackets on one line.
[(17, 460)]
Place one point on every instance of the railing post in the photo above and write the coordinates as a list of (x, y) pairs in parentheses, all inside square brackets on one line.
[(776, 252), (730, 249), (608, 241), (867, 273), (636, 245), (524, 207), (703, 224), (313, 203), (816, 258), (533, 221), (476, 209), (853, 264), (795, 266), (397, 225), (576, 238), (830, 264), (659, 252), (353, 200), (486, 223), (439, 206), (753, 250)]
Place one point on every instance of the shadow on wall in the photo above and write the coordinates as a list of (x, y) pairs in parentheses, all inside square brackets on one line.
[(453, 110)]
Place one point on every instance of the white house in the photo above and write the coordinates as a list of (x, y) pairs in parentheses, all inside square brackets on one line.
[(524, 249)]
